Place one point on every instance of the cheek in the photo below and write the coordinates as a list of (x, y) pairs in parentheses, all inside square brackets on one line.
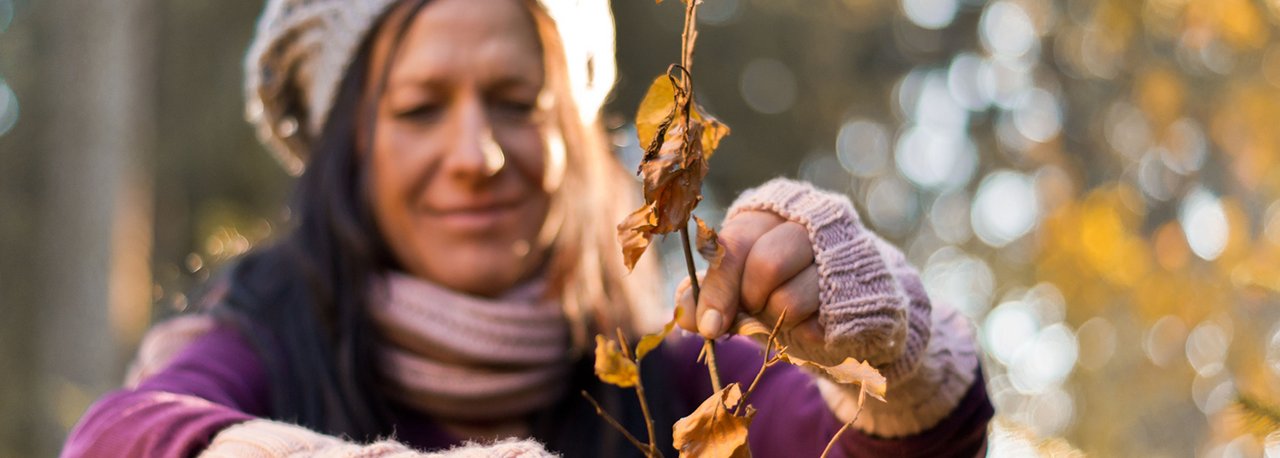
[(397, 172), (525, 150)]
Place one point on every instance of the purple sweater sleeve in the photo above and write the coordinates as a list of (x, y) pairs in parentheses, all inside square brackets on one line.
[(793, 420), (217, 381)]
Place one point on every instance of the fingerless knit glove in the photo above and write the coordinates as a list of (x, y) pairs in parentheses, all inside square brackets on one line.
[(873, 307)]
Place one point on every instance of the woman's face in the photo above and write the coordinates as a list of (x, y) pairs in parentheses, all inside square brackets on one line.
[(460, 169)]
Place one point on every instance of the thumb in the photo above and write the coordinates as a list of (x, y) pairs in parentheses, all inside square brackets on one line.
[(718, 301)]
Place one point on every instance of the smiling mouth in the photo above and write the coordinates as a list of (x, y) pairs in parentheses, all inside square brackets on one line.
[(476, 208), (475, 217)]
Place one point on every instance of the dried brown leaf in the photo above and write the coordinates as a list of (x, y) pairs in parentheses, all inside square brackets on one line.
[(612, 366), (678, 139), (851, 371), (712, 131), (713, 430), (673, 176), (709, 243), (651, 341), (635, 233)]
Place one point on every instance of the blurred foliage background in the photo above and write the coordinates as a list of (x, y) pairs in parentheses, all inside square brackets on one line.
[(1094, 183)]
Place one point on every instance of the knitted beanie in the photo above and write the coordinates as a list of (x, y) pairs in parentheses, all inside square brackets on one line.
[(302, 48)]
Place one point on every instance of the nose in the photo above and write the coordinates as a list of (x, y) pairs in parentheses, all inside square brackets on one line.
[(476, 154)]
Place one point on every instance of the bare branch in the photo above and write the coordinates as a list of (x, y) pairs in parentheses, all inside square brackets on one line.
[(618, 426), (769, 360), (836, 437)]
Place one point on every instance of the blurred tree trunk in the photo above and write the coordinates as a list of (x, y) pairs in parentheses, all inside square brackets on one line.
[(97, 92)]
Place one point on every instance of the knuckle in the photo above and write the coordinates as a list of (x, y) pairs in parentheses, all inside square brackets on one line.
[(764, 265), (735, 244)]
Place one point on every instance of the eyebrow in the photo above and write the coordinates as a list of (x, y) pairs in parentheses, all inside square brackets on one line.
[(434, 82)]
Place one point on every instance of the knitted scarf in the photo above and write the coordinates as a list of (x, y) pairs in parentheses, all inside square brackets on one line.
[(463, 358)]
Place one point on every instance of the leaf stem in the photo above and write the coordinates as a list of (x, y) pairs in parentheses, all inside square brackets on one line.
[(609, 418), (688, 34), (644, 404), (769, 360), (648, 419), (836, 437), (710, 345)]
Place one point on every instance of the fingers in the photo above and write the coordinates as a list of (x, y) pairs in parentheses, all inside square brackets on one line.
[(775, 258), (718, 303), (798, 296)]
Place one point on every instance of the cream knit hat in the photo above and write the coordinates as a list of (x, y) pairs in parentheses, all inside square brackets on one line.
[(301, 50)]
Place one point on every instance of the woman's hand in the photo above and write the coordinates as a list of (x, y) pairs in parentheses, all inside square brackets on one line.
[(768, 267)]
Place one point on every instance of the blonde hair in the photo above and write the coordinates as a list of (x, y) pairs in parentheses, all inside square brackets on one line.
[(587, 272)]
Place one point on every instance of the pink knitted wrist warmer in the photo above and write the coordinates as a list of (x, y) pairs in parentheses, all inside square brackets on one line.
[(863, 311), (873, 307)]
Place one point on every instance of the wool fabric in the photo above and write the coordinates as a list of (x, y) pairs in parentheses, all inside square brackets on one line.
[(873, 307), (465, 358), (274, 439)]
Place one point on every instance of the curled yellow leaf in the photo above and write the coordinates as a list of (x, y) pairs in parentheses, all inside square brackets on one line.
[(851, 371), (712, 131), (657, 108), (612, 366), (651, 341)]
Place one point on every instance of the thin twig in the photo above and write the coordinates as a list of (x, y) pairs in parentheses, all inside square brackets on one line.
[(711, 366), (609, 418), (768, 361), (832, 443), (710, 345), (626, 346), (648, 419), (644, 404), (688, 34)]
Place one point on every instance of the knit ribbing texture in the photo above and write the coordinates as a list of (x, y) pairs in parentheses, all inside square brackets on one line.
[(466, 358), (274, 439), (873, 307)]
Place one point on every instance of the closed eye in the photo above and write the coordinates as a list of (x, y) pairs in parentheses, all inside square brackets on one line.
[(514, 110), (423, 112)]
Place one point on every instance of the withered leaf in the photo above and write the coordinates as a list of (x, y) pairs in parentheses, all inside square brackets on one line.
[(635, 233), (678, 139), (709, 243), (854, 371), (657, 108), (713, 430), (747, 325), (851, 371), (712, 131), (673, 177), (612, 366), (651, 341)]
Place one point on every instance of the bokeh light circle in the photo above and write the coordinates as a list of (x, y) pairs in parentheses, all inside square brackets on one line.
[(1005, 208)]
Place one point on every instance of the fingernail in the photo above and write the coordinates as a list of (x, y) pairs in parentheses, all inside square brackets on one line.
[(710, 323)]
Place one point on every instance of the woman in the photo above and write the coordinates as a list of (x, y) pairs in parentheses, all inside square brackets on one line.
[(454, 249)]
